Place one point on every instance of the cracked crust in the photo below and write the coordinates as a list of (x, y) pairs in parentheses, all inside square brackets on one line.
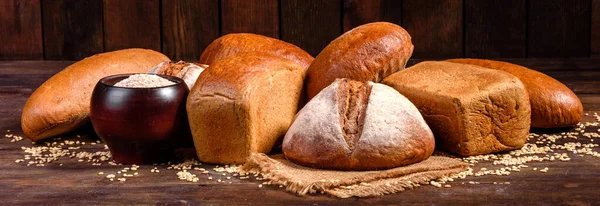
[(393, 131), (62, 103), (243, 104), (369, 52), (352, 98), (189, 72), (470, 109), (552, 103), (232, 44)]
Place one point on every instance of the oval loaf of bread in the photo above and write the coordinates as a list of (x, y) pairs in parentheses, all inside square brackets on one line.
[(552, 103), (62, 103), (354, 125), (232, 44), (369, 52)]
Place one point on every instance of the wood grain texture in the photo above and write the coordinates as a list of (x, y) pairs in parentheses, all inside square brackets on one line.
[(492, 32), (595, 30), (72, 29), (310, 24), (21, 30), (359, 12), (252, 16), (69, 181), (436, 27), (131, 23), (559, 28), (188, 26)]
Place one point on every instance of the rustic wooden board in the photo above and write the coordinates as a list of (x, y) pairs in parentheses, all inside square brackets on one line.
[(310, 24), (132, 23), (254, 16), (72, 29), (575, 182), (595, 30), (188, 26), (21, 30), (436, 27), (358, 12), (559, 28), (491, 32)]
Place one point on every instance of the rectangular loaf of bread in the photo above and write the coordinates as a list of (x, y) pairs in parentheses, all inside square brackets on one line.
[(243, 104), (471, 110)]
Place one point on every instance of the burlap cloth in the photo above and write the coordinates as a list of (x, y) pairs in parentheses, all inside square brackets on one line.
[(343, 184)]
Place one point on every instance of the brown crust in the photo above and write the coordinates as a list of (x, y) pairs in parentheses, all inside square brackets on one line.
[(353, 125), (174, 69), (61, 104), (369, 52), (352, 99), (242, 104), (232, 44), (552, 103), (471, 110)]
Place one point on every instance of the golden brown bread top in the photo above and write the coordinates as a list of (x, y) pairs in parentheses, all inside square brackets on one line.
[(233, 77), (368, 52), (62, 103), (450, 79), (471, 110), (552, 103), (232, 44)]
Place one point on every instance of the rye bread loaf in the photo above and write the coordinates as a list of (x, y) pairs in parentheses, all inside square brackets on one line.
[(552, 103), (471, 110), (354, 125), (62, 103), (242, 104), (368, 52), (232, 44), (189, 72)]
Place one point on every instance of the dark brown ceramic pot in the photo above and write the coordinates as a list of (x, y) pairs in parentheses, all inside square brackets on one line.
[(141, 125)]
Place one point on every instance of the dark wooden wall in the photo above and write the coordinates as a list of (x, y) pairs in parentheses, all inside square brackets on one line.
[(74, 29)]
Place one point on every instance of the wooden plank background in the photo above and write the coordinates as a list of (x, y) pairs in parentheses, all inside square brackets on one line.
[(74, 29)]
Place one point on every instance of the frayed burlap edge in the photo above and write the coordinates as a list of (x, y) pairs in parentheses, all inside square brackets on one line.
[(371, 184)]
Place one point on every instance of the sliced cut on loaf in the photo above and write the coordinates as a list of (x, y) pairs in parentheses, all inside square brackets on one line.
[(353, 125)]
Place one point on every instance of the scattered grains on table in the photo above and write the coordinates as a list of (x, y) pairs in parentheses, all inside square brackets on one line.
[(558, 147), (187, 176)]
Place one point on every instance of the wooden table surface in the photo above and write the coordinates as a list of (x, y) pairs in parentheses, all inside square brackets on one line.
[(68, 181)]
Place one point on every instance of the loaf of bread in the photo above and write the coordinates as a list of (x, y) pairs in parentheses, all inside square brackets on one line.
[(354, 125), (552, 103), (242, 104), (471, 110), (189, 72), (369, 52), (232, 44), (62, 103)]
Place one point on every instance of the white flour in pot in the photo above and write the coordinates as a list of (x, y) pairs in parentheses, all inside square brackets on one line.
[(144, 81)]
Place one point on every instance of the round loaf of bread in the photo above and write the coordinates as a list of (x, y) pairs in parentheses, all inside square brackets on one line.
[(369, 52), (62, 103), (354, 125), (552, 103), (232, 44)]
